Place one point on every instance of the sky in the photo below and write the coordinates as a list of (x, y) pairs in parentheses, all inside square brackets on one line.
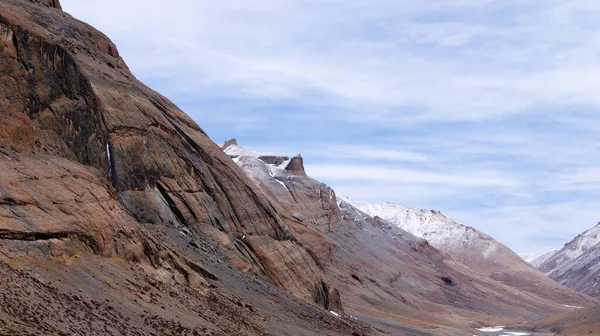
[(487, 111)]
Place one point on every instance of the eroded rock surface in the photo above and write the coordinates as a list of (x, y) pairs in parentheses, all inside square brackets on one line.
[(97, 165)]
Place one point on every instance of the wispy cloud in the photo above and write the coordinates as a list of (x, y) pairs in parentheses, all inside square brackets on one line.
[(486, 110), (382, 174)]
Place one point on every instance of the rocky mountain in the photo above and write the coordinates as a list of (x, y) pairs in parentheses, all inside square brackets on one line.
[(480, 252), (118, 215), (577, 264), (539, 260), (529, 257), (385, 273)]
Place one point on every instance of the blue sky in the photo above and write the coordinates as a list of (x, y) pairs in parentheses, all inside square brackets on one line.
[(484, 110)]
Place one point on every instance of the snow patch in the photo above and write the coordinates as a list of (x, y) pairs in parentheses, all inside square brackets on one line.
[(491, 329), (109, 160), (504, 333), (283, 184)]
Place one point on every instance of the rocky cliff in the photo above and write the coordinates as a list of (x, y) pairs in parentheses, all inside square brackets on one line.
[(118, 215), (99, 169)]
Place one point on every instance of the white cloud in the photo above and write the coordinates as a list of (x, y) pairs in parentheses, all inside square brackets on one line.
[(350, 53), (381, 174)]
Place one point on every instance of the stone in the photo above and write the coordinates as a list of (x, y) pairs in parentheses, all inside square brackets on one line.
[(296, 166), (229, 143)]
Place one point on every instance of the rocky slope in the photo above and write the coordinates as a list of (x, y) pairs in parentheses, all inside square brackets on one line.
[(118, 215), (577, 264), (538, 261), (118, 212), (578, 322), (478, 251), (387, 275)]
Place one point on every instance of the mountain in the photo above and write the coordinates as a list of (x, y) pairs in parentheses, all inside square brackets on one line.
[(480, 252), (529, 257), (577, 264), (118, 215), (388, 275), (541, 259)]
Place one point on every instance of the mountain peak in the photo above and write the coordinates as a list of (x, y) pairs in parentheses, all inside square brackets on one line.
[(229, 143), (296, 166)]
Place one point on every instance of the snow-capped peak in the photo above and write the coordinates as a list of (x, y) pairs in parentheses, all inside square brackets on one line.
[(439, 230), (582, 243), (571, 251), (236, 151)]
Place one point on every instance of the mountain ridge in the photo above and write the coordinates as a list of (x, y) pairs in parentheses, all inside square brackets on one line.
[(317, 207), (576, 264)]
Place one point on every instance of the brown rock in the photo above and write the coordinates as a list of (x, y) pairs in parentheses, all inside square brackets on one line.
[(229, 143), (50, 3), (296, 166), (104, 158)]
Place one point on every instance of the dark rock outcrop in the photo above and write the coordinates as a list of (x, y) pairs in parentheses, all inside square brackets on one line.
[(50, 3), (273, 159), (229, 143), (296, 166)]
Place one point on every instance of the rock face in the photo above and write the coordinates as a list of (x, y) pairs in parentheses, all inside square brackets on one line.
[(98, 169), (577, 264), (119, 213), (388, 276), (50, 3), (296, 166), (229, 143)]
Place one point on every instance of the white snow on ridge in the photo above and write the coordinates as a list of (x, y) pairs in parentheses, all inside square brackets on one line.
[(235, 150), (529, 257), (257, 169), (439, 230), (572, 253), (542, 258), (583, 242)]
